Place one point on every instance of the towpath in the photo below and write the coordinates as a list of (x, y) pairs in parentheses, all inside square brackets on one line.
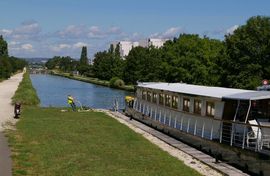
[(7, 90)]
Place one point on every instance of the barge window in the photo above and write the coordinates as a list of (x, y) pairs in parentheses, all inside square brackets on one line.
[(161, 99), (168, 100), (210, 109), (197, 106), (186, 104), (144, 95), (154, 98), (149, 96), (174, 102)]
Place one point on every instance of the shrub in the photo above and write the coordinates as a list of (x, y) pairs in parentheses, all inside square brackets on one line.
[(26, 93), (116, 82)]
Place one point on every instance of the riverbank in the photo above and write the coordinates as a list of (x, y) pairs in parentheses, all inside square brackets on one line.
[(61, 142), (91, 80)]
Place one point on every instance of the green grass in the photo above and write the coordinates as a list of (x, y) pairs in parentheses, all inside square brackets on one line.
[(26, 94), (91, 80), (50, 142)]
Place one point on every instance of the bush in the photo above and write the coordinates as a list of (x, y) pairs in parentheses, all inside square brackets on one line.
[(116, 82), (26, 93)]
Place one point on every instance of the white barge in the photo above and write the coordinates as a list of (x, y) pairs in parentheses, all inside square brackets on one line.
[(232, 124)]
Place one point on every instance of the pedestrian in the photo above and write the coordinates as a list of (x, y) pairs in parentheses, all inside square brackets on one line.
[(71, 102)]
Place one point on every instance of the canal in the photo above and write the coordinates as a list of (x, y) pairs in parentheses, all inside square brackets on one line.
[(53, 90)]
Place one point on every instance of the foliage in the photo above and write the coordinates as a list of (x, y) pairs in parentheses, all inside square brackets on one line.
[(8, 65), (50, 142), (3, 47), (65, 64), (192, 59), (116, 82), (84, 59), (5, 67), (108, 64), (248, 51), (26, 93)]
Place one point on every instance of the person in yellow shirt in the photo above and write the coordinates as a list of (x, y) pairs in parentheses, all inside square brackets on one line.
[(71, 102)]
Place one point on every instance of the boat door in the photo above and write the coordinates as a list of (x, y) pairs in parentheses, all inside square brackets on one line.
[(228, 115)]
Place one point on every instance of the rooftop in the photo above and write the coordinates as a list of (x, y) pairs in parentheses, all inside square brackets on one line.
[(208, 91)]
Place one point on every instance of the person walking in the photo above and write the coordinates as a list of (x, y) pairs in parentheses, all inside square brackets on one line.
[(71, 102)]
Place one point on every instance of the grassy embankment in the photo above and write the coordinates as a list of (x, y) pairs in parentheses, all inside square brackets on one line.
[(91, 80), (26, 94), (50, 142)]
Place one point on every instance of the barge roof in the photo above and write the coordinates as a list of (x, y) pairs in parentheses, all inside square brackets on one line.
[(208, 91)]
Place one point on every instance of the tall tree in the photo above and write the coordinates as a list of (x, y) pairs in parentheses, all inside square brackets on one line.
[(3, 47), (84, 59), (191, 59), (248, 49)]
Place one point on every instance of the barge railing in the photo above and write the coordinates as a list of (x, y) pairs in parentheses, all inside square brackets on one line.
[(233, 133)]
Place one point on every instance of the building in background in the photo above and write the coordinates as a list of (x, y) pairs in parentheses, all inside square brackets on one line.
[(156, 42), (126, 46)]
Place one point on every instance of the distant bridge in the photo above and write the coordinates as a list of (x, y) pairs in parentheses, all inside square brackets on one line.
[(38, 71)]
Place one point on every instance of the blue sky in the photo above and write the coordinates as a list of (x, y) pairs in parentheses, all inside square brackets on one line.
[(45, 28)]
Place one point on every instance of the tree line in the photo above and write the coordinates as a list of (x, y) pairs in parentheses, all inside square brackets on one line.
[(8, 65), (241, 60)]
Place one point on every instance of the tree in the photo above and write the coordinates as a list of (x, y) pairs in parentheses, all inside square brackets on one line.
[(3, 47), (65, 64), (248, 49), (84, 59), (192, 59), (108, 64)]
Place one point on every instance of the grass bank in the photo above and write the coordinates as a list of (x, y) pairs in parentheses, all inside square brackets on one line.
[(50, 142), (91, 80), (26, 93)]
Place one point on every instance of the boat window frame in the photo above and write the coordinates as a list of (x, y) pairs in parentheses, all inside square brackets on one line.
[(175, 101), (168, 99), (186, 108), (149, 96), (144, 94), (211, 113), (197, 106), (154, 99), (161, 98)]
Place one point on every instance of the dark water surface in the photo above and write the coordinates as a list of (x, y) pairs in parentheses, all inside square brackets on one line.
[(53, 91)]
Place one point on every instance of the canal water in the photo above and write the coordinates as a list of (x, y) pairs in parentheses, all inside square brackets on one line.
[(53, 90)]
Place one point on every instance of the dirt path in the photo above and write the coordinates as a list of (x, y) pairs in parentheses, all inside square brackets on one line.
[(7, 90)]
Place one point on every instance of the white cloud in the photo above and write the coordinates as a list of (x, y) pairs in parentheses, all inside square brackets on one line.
[(169, 33), (73, 31), (12, 43), (61, 47), (27, 46), (5, 32), (79, 45), (172, 32), (114, 30), (28, 27), (92, 32), (232, 29)]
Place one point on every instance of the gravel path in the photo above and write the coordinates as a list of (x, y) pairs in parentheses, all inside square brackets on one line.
[(7, 90)]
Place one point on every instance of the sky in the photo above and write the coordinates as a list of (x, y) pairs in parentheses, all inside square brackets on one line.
[(47, 28)]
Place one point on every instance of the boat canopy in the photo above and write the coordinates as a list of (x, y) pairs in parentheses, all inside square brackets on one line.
[(208, 91)]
